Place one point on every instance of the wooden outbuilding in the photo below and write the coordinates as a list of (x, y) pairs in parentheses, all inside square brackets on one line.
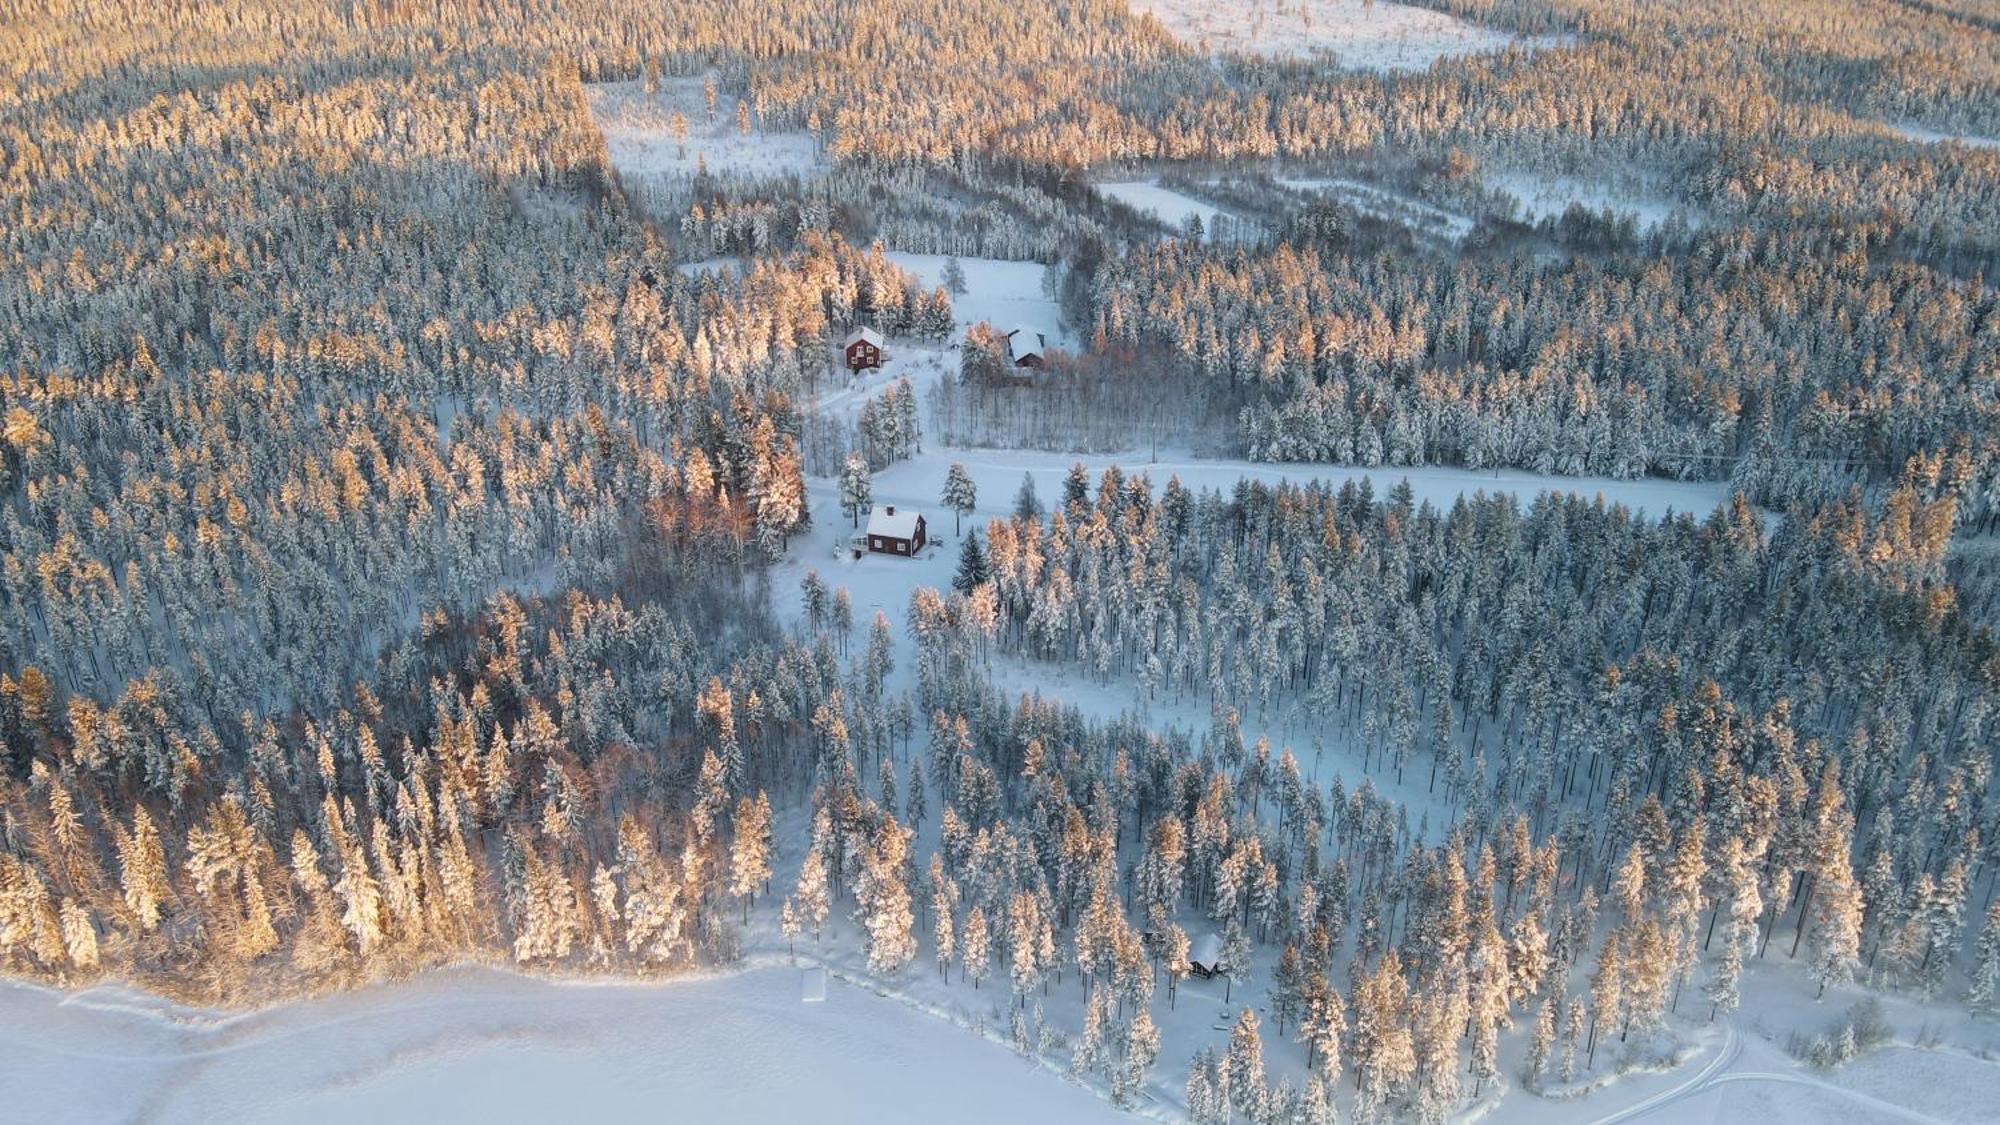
[(1027, 347)]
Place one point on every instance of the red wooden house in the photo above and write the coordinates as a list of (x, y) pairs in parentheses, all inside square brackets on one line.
[(863, 349)]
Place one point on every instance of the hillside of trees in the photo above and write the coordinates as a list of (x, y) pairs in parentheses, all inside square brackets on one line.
[(387, 522)]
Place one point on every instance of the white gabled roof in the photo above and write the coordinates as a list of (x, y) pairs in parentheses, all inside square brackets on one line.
[(863, 336), (1025, 341), (1206, 949), (896, 523)]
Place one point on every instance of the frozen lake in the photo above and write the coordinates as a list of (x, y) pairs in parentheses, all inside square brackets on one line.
[(485, 1045)]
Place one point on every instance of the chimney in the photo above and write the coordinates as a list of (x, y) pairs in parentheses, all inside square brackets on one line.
[(891, 509)]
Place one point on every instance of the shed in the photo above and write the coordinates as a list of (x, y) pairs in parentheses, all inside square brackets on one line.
[(1205, 956), (863, 349), (893, 532), (1026, 346)]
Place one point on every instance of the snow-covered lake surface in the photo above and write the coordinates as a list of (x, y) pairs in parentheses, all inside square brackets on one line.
[(1380, 36), (488, 1046)]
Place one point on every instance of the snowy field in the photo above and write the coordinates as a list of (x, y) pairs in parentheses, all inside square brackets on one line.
[(1381, 36), (1545, 196), (1165, 204), (1926, 136), (639, 134), (1003, 293), (1387, 205), (481, 1045)]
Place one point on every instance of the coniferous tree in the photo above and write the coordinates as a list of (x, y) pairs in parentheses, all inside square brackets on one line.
[(961, 496)]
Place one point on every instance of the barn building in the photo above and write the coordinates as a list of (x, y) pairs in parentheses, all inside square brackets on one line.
[(892, 532), (863, 349), (1026, 347)]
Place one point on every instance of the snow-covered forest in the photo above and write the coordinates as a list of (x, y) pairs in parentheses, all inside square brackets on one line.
[(1386, 647)]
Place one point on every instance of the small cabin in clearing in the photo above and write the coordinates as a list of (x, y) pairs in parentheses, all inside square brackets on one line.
[(1026, 346), (863, 349), (891, 532), (1205, 957)]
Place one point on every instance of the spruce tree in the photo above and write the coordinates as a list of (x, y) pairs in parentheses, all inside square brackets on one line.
[(972, 569)]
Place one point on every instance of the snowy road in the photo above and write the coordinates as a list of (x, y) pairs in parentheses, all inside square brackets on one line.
[(1701, 1096)]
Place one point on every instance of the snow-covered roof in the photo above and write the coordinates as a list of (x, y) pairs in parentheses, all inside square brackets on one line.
[(1025, 340), (894, 522), (863, 336), (1206, 949)]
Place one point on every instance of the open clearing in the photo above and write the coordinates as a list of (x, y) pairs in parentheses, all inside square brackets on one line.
[(1169, 206), (1381, 36), (1547, 196), (1386, 205), (1002, 293), (491, 1046), (1930, 137), (639, 134)]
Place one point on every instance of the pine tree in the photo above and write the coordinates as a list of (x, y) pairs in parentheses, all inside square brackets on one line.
[(1836, 931), (1986, 962), (1235, 957), (1246, 1066), (1175, 952), (143, 864), (883, 901), (1384, 1049), (1322, 1026), (1541, 1045), (750, 850), (977, 949), (961, 496), (944, 895), (1142, 1047), (857, 489), (811, 892)]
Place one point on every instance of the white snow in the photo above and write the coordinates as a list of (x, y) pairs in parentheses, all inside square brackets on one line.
[(638, 133), (997, 291), (1169, 206), (1930, 137), (1548, 196), (488, 1046), (1384, 204), (1381, 36)]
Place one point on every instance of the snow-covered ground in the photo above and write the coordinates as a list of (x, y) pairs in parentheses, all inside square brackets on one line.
[(1388, 205), (639, 134), (1548, 196), (1930, 137), (1169, 206), (1379, 36), (1003, 293), (482, 1045)]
